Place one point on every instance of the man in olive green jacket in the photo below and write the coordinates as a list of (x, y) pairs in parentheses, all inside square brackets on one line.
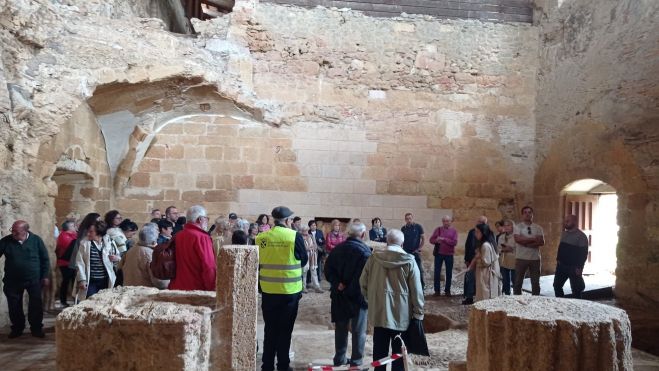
[(391, 283)]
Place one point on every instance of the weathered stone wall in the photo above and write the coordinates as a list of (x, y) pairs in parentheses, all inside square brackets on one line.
[(597, 113), (363, 117)]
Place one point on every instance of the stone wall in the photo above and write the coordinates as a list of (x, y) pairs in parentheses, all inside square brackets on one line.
[(597, 113)]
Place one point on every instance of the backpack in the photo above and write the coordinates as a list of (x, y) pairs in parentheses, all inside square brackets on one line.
[(163, 263)]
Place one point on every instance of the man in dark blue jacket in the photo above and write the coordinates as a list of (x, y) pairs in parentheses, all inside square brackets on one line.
[(343, 269)]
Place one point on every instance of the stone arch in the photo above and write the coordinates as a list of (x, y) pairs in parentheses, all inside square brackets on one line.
[(590, 151)]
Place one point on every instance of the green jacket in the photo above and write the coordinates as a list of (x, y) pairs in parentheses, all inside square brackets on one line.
[(391, 284), (26, 262)]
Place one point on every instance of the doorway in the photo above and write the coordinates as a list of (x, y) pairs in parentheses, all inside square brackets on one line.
[(595, 203)]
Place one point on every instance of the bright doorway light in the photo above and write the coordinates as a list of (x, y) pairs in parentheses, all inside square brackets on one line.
[(596, 205)]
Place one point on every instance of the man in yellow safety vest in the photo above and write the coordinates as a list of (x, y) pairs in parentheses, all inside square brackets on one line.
[(281, 257)]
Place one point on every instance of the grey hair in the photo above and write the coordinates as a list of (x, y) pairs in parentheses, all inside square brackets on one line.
[(195, 212), (395, 237), (148, 235), (356, 229), (69, 226), (241, 224), (447, 217), (151, 225)]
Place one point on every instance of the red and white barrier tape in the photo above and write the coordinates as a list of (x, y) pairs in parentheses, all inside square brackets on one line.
[(381, 362)]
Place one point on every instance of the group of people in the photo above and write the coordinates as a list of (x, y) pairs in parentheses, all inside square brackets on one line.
[(99, 252), (495, 263), (358, 278)]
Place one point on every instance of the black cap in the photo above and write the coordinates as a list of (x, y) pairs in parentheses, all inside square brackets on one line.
[(281, 212), (233, 216)]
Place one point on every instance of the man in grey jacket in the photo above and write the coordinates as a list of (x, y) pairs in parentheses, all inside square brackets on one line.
[(391, 283)]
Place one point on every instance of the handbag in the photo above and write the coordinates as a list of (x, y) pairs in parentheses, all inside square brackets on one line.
[(415, 338)]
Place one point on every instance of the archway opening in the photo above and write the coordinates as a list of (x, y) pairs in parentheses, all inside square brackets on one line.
[(596, 205)]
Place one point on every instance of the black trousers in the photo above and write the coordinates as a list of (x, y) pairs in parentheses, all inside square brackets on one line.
[(563, 273), (382, 339), (279, 314), (417, 259), (14, 293), (68, 278)]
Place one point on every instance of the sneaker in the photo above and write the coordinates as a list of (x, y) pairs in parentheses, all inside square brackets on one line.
[(305, 291), (436, 294), (447, 294), (319, 290), (38, 334), (468, 301), (15, 334)]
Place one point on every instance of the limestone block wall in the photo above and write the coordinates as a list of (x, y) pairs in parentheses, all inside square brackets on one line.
[(409, 108), (598, 65)]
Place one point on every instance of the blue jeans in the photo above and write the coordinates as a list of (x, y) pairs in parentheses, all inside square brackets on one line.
[(95, 286), (508, 279), (358, 328), (470, 284), (448, 260)]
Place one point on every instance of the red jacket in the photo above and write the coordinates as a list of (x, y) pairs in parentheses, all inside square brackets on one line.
[(63, 241), (195, 260)]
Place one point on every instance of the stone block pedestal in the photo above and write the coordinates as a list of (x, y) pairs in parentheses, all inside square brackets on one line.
[(546, 334), (137, 328)]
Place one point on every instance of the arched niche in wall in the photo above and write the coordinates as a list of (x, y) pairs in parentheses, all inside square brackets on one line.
[(131, 115), (74, 161)]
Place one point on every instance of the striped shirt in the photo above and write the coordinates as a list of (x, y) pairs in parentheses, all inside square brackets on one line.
[(96, 267)]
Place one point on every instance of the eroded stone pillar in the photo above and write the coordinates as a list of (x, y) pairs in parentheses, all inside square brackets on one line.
[(539, 333), (234, 334)]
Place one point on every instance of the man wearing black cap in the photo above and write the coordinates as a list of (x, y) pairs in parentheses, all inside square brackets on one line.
[(281, 257), (233, 219)]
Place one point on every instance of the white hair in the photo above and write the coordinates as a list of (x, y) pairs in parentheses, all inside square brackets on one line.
[(195, 212), (356, 229), (148, 235), (395, 237), (447, 217)]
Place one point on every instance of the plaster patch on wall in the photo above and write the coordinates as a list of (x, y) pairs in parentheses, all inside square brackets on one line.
[(117, 128)]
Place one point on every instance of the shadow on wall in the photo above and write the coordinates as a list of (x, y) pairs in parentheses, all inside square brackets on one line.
[(592, 151)]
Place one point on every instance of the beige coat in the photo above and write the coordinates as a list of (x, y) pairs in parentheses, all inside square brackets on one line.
[(136, 266), (488, 277), (83, 266)]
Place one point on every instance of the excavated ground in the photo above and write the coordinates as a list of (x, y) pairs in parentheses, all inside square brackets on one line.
[(313, 337)]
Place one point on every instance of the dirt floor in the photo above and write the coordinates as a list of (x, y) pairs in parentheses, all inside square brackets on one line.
[(313, 337)]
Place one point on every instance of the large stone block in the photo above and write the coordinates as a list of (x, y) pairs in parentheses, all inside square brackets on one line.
[(137, 328), (539, 333), (237, 304)]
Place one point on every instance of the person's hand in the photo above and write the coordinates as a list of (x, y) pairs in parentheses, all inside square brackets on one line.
[(45, 282), (578, 271), (114, 258), (82, 285), (341, 286)]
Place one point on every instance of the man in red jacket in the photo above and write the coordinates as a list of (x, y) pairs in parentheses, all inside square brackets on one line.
[(64, 240), (195, 259)]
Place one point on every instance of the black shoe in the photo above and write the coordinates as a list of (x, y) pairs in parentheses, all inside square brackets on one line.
[(15, 334), (447, 294), (38, 334), (468, 301)]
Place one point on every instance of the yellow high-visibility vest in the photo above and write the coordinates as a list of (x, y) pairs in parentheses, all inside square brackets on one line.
[(279, 271)]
